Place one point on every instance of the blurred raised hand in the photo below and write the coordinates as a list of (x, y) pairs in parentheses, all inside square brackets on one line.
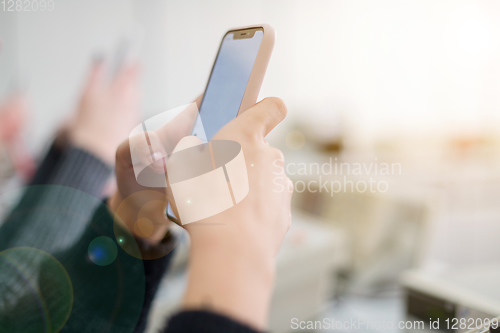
[(107, 111), (12, 117)]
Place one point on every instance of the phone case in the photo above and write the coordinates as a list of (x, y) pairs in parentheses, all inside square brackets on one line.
[(260, 66)]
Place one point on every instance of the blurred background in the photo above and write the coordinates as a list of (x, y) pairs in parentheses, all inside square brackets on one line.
[(411, 84)]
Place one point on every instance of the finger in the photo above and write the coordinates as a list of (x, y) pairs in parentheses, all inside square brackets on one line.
[(179, 127), (96, 75), (158, 154), (263, 116), (182, 167), (290, 186), (147, 151), (126, 77), (171, 201), (123, 159), (182, 125)]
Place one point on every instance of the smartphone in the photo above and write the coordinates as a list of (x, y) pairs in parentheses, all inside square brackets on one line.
[(235, 80)]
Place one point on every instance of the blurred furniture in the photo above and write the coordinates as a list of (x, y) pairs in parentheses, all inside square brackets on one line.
[(388, 232), (307, 265), (388, 229), (312, 255), (472, 294)]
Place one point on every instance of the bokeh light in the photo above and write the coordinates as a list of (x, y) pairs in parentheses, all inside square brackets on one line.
[(295, 140), (102, 251)]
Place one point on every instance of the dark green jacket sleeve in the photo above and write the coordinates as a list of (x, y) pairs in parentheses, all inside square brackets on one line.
[(93, 286)]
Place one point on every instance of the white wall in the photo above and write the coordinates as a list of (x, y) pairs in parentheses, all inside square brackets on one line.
[(8, 53), (54, 50), (387, 65)]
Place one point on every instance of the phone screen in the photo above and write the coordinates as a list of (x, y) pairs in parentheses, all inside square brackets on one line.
[(228, 80), (227, 83)]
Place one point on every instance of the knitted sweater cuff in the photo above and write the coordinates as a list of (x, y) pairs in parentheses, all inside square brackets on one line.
[(205, 322), (81, 170)]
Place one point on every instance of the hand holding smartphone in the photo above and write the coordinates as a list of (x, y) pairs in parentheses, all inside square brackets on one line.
[(235, 80)]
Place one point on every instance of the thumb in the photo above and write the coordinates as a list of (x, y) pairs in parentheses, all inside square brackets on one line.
[(264, 116)]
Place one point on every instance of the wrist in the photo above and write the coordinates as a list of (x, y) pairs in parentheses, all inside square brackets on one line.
[(114, 201), (228, 279), (121, 212), (93, 145)]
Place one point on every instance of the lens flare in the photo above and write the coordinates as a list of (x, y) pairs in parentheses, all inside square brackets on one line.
[(102, 251)]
